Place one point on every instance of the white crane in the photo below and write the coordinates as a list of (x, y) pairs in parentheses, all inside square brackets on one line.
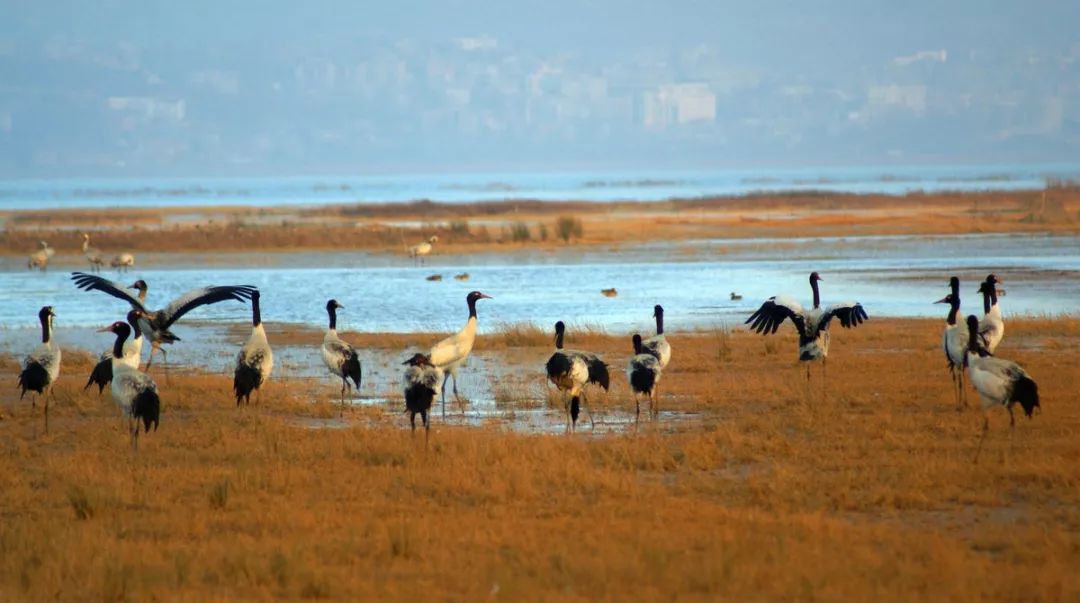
[(571, 371), (812, 324), (643, 373), (255, 361), (41, 368), (339, 356), (93, 255), (954, 341), (422, 249), (992, 325), (132, 390), (423, 381), (658, 345), (40, 259), (999, 382), (155, 325), (452, 352), (102, 374)]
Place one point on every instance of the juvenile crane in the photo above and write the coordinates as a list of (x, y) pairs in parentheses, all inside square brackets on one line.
[(992, 325), (954, 341), (255, 361), (339, 356), (999, 382), (92, 254), (423, 381), (570, 371), (132, 390), (452, 352), (812, 324), (658, 345), (643, 372), (155, 324), (102, 373), (41, 367)]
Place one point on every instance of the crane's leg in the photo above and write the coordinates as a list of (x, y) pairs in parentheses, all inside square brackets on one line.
[(585, 405), (344, 384), (637, 408), (446, 377), (986, 428), (654, 402), (46, 396), (427, 427), (412, 421)]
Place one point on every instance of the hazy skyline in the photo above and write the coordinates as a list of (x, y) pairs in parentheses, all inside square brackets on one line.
[(128, 88)]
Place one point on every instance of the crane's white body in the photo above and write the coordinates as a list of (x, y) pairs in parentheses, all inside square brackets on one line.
[(335, 351), (258, 354), (993, 378), (40, 258), (453, 352), (127, 383), (123, 261), (992, 328), (48, 355)]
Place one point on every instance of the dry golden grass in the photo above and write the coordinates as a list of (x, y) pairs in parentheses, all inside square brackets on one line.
[(762, 490), (389, 228)]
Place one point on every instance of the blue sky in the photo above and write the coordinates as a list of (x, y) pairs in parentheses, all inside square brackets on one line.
[(128, 88)]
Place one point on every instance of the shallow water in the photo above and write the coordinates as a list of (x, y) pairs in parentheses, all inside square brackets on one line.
[(890, 276), (599, 186)]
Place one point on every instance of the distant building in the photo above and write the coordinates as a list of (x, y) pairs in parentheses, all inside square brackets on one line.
[(672, 104)]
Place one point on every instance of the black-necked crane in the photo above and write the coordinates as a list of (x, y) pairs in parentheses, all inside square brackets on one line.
[(123, 262), (93, 255), (40, 259), (570, 371), (999, 382), (255, 361), (155, 325), (643, 372), (423, 381), (658, 345), (452, 352), (955, 341), (132, 390), (992, 324), (812, 324), (41, 368), (339, 356), (423, 249), (102, 374)]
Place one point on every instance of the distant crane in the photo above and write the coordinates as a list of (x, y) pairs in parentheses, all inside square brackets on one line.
[(421, 250), (40, 259), (338, 355), (570, 371), (452, 352), (92, 254), (41, 367)]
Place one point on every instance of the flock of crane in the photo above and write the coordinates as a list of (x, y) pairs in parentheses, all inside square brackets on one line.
[(968, 345), (39, 260)]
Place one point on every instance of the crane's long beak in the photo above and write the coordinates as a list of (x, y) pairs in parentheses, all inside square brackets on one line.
[(483, 296), (105, 329), (943, 300)]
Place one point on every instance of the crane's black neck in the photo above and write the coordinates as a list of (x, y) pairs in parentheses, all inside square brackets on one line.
[(989, 297), (637, 344), (817, 296), (954, 309), (256, 315), (118, 347), (559, 339), (332, 311), (136, 331), (659, 323), (46, 328), (472, 307)]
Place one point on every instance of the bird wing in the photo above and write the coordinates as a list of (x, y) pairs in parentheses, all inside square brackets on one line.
[(598, 371), (851, 314), (766, 320), (201, 297), (90, 282)]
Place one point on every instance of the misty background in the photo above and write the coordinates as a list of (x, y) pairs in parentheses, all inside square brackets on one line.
[(151, 89)]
